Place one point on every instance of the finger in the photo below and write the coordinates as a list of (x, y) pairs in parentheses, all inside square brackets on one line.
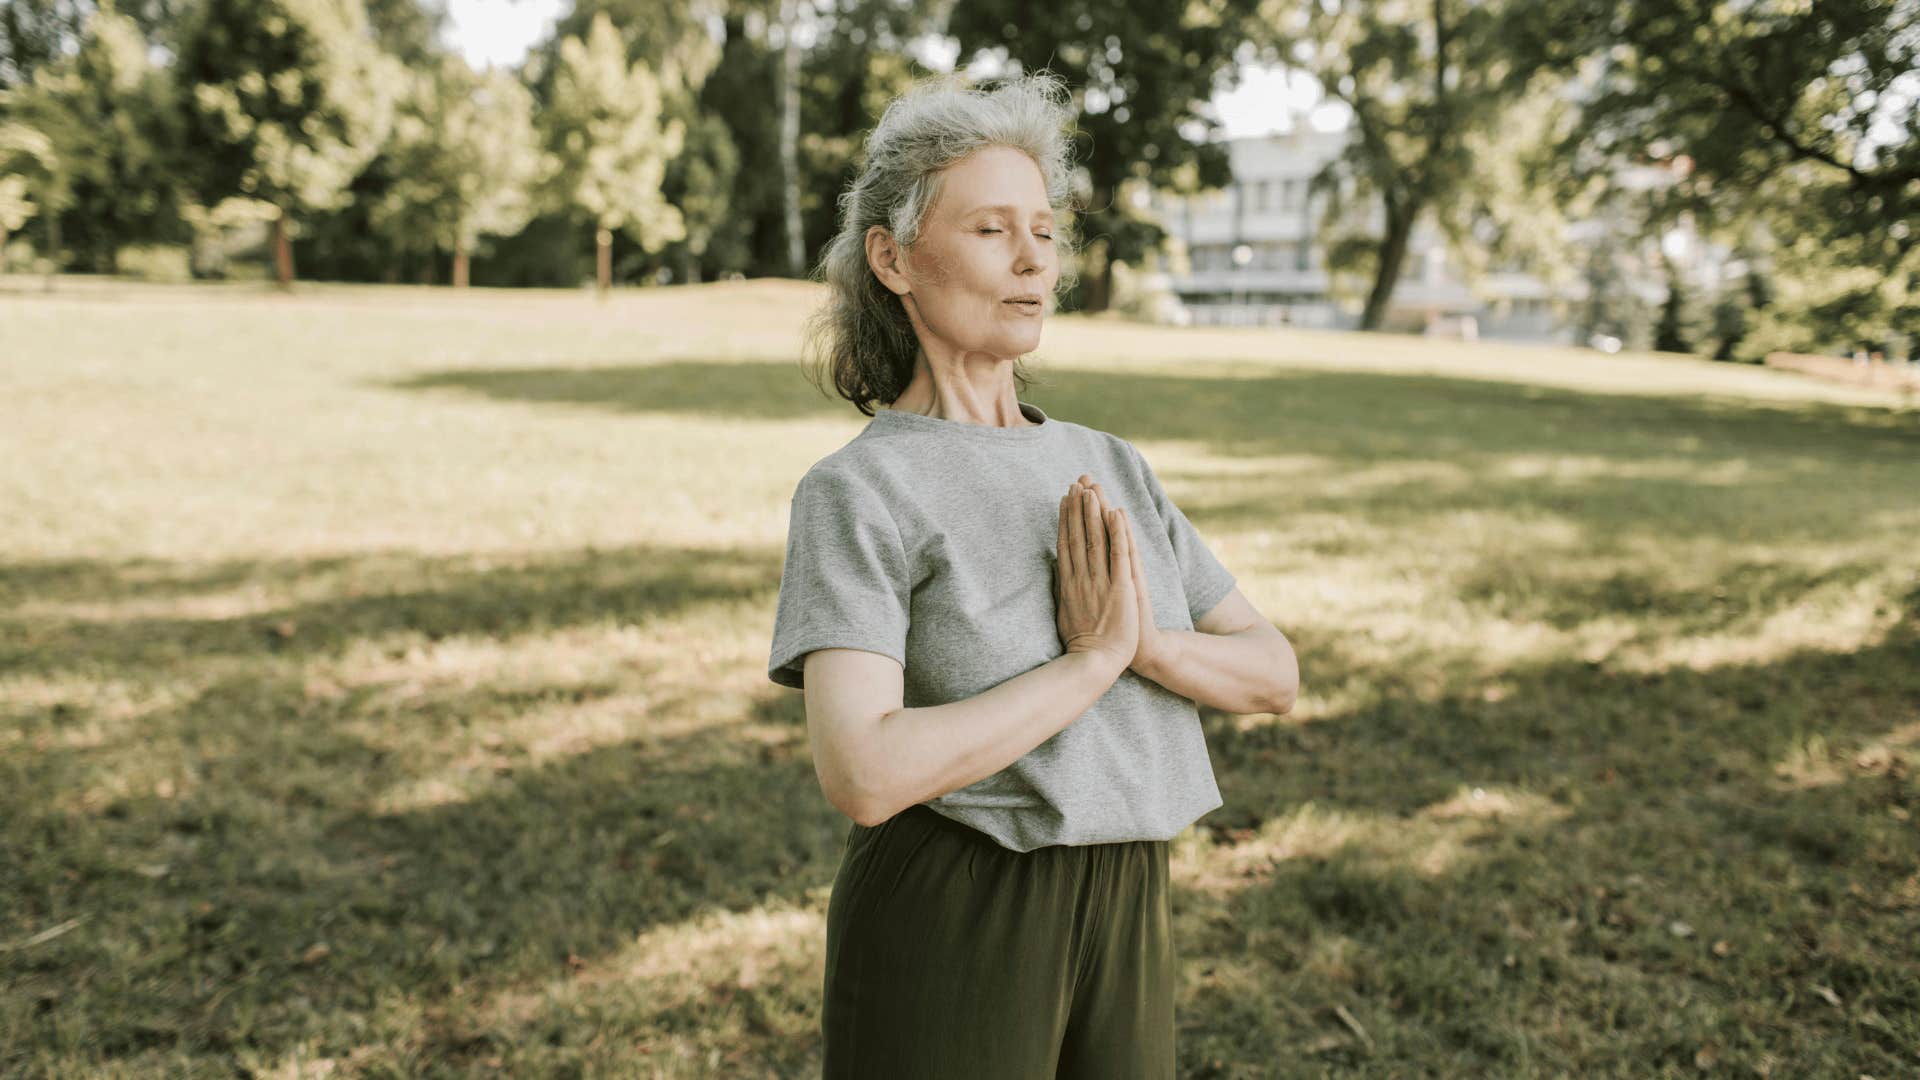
[(1077, 530), (1122, 555), (1067, 558), (1096, 536)]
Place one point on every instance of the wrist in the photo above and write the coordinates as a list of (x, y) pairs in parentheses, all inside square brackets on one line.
[(1162, 656), (1099, 665)]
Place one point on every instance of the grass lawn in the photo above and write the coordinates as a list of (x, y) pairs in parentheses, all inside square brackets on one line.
[(382, 693)]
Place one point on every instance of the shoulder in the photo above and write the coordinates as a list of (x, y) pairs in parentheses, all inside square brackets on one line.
[(1116, 446), (843, 492)]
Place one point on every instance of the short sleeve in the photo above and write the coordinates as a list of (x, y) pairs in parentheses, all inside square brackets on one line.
[(1204, 577), (845, 583)]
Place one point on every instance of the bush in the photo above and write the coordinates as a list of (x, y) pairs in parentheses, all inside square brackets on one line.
[(156, 262)]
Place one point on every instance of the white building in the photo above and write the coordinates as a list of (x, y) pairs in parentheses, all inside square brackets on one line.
[(1251, 257)]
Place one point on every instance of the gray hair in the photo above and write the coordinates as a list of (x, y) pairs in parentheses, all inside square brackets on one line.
[(862, 336)]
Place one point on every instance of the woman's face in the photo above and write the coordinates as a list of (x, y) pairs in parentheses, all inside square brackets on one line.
[(981, 276)]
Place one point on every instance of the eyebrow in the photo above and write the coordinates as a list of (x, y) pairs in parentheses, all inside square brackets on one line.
[(1008, 209)]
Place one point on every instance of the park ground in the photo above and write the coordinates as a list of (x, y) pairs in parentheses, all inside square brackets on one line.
[(383, 693)]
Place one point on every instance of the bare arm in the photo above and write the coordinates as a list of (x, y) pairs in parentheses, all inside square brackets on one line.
[(876, 757), (1236, 673), (876, 766)]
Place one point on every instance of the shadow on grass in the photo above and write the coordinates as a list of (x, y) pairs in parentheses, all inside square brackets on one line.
[(283, 910), (1728, 877), (1655, 466), (356, 599), (1291, 409)]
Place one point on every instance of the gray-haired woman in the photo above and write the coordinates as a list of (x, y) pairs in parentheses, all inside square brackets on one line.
[(1000, 693)]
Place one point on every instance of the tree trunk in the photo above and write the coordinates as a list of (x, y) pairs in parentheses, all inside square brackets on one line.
[(53, 248), (1393, 252), (282, 253), (790, 139), (1098, 295), (460, 264), (1096, 263), (603, 261)]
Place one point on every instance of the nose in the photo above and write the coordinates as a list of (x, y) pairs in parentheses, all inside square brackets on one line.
[(1027, 260)]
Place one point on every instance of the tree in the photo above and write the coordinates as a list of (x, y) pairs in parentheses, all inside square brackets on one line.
[(1143, 75), (289, 100), (35, 32), (1797, 117), (465, 162), (31, 179), (1423, 80), (604, 125), (111, 117), (699, 181)]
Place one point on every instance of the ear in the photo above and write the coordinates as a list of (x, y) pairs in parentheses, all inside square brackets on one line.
[(887, 260)]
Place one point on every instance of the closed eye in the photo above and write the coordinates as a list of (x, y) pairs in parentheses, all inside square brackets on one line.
[(1044, 236)]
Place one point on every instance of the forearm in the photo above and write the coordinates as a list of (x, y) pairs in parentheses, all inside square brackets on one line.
[(917, 754), (1252, 671)]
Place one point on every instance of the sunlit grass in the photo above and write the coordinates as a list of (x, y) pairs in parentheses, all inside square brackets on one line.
[(382, 692)]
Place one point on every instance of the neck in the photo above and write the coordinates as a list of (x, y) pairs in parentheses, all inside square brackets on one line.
[(969, 387)]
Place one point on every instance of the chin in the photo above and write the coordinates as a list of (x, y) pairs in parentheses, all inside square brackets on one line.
[(1019, 344)]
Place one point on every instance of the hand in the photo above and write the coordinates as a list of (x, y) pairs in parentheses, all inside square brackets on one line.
[(1148, 651), (1095, 602)]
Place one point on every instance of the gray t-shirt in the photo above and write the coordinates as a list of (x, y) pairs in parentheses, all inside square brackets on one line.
[(933, 541)]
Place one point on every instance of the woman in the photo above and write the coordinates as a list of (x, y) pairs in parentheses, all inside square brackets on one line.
[(999, 693)]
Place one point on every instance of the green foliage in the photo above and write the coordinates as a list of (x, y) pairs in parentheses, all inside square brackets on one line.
[(604, 124), (32, 33), (464, 158), (1429, 85), (156, 262), (699, 180), (1786, 118), (290, 99), (30, 173), (111, 121)]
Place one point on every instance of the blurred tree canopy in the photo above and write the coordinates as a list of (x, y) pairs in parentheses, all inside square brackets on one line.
[(667, 140), (289, 101), (1794, 125)]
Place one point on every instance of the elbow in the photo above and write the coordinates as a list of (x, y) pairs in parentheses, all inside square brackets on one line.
[(868, 810), (858, 801), (1282, 694), (1286, 687), (854, 793)]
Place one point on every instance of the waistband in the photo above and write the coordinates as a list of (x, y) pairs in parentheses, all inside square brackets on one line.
[(935, 819)]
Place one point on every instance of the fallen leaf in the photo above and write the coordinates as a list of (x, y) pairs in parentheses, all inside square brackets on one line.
[(1679, 929), (315, 953), (1826, 994)]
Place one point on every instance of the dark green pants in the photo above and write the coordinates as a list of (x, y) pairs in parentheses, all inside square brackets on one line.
[(951, 956)]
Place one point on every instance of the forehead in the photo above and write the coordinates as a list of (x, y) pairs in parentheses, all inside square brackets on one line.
[(994, 177)]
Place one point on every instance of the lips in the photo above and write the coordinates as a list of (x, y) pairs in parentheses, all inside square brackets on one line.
[(1030, 302)]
